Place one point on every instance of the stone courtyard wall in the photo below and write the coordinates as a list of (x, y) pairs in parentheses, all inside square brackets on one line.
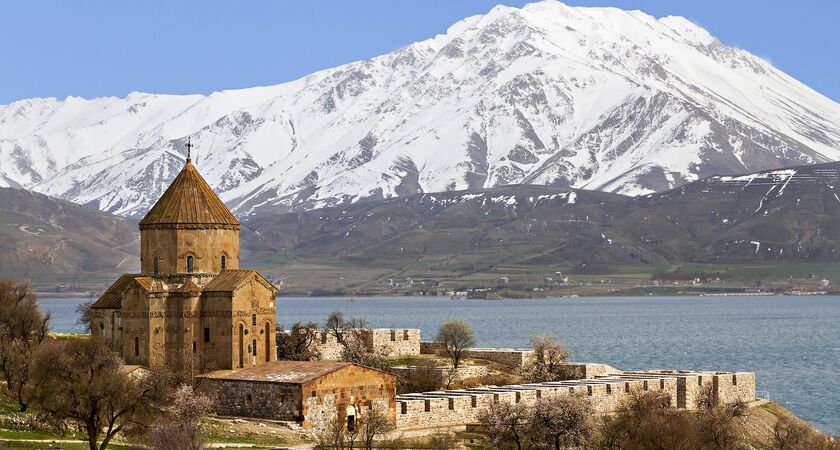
[(510, 357), (459, 407), (461, 373), (580, 371), (390, 341), (396, 341)]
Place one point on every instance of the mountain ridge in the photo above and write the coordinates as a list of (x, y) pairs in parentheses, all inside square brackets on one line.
[(779, 218)]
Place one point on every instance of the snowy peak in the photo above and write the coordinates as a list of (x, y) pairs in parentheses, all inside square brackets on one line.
[(595, 98)]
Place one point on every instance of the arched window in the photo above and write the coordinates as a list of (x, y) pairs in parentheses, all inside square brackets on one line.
[(155, 265), (189, 264), (136, 346), (223, 262), (254, 343), (254, 319)]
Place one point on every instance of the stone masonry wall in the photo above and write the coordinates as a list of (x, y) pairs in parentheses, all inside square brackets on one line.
[(461, 373), (458, 407), (391, 341), (256, 399), (396, 341), (579, 371), (511, 357)]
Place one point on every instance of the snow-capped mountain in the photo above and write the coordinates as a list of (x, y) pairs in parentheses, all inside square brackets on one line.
[(593, 98)]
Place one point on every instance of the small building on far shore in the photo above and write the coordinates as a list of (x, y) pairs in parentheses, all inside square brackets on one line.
[(312, 393)]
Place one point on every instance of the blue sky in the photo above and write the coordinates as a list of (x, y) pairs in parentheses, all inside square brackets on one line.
[(100, 48)]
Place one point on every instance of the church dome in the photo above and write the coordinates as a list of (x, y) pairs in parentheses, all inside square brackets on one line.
[(189, 202)]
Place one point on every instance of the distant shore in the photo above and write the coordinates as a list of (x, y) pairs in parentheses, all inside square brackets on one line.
[(508, 295), (52, 294)]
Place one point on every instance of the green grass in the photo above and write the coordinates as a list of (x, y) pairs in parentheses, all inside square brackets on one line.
[(64, 445), (35, 435), (6, 405), (247, 438)]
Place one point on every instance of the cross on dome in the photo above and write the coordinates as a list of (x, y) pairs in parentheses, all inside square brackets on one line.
[(189, 147)]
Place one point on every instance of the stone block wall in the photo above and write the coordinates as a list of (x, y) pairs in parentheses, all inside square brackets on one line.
[(256, 399), (579, 371), (390, 341), (461, 373), (511, 357), (396, 341), (730, 387), (727, 386), (459, 407)]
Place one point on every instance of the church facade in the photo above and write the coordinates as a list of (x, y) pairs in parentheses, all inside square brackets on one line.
[(190, 304)]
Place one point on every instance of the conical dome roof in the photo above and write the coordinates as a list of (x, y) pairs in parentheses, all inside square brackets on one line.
[(189, 202)]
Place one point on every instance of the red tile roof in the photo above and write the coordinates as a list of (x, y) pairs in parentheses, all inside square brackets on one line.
[(291, 372), (112, 298), (189, 200), (229, 280)]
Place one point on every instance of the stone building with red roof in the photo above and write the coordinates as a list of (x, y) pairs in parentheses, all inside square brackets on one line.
[(312, 393), (190, 303)]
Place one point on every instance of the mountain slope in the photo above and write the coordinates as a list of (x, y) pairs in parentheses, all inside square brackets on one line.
[(592, 98), (787, 215), (780, 216), (45, 237)]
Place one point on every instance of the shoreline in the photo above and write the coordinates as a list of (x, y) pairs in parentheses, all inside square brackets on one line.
[(350, 298)]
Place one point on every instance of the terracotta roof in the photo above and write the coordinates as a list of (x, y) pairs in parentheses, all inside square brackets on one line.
[(189, 200), (112, 298), (229, 280), (189, 287), (291, 372)]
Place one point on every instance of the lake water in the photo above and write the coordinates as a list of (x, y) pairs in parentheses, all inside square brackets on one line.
[(792, 343)]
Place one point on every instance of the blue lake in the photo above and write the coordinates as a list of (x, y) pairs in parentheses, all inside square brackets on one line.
[(792, 343)]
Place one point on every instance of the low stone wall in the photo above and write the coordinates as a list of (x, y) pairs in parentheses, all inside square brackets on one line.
[(461, 373), (429, 348), (511, 357), (459, 407), (580, 371), (727, 386), (390, 341)]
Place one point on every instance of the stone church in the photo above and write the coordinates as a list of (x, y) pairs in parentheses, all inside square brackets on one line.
[(190, 304)]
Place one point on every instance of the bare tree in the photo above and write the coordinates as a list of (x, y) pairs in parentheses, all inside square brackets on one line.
[(790, 433), (332, 436), (563, 421), (299, 343), (82, 382), (455, 336), (645, 420), (23, 326), (85, 315), (350, 335), (374, 423), (548, 362), (505, 422), (720, 424), (421, 378), (179, 425)]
